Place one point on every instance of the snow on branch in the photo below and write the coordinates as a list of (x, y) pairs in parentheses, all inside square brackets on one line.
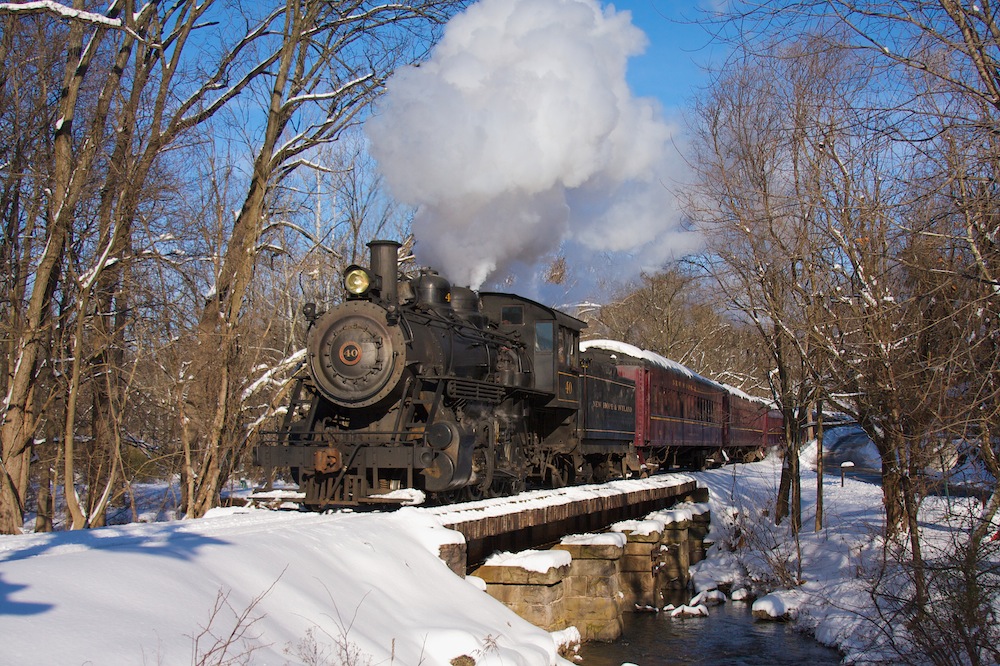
[(60, 10), (290, 225), (269, 378)]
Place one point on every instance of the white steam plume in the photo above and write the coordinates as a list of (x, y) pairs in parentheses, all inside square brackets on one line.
[(520, 135)]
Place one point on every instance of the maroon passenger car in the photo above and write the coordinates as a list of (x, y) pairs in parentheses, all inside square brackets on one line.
[(681, 418)]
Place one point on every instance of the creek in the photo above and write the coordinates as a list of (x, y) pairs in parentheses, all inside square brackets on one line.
[(729, 635)]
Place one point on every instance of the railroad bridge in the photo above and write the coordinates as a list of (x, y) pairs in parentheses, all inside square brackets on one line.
[(540, 518), (638, 539)]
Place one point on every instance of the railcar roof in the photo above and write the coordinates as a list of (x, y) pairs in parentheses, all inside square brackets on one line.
[(746, 396), (625, 348)]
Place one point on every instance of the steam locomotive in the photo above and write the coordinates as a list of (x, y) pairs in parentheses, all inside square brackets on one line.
[(413, 383)]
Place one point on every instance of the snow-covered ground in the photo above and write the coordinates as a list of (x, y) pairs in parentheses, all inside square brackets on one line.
[(824, 582), (296, 588), (751, 555)]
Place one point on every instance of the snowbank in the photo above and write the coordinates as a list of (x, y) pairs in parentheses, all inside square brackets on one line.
[(822, 584), (773, 607), (368, 584)]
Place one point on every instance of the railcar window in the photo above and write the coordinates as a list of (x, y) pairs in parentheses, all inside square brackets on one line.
[(512, 315), (543, 336)]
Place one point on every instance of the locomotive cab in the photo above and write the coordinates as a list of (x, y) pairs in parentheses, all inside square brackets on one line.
[(551, 336)]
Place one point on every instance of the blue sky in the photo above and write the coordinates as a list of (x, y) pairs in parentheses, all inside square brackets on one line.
[(669, 69)]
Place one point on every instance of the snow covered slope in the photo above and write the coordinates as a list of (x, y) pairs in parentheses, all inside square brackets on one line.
[(144, 594)]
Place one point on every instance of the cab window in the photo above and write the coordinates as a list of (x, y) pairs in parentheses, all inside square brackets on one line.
[(543, 336), (572, 342), (512, 315), (568, 348)]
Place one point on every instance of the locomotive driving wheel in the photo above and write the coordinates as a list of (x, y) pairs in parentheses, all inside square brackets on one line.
[(562, 472)]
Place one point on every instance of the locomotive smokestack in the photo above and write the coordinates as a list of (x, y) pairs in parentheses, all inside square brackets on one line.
[(384, 264)]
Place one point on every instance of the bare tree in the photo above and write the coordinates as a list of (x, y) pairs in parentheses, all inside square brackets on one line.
[(135, 80), (755, 198), (904, 206), (26, 113), (676, 314), (332, 62), (657, 314)]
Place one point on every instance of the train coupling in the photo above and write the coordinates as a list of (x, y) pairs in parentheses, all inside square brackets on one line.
[(328, 461)]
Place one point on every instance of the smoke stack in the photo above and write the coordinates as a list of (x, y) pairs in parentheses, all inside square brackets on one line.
[(384, 264)]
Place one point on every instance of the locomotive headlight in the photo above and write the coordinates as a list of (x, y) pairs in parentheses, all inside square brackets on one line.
[(357, 280)]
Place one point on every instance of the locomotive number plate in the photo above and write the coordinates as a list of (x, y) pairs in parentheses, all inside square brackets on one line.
[(350, 353)]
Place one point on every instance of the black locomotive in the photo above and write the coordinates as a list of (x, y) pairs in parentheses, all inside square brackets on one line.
[(415, 383)]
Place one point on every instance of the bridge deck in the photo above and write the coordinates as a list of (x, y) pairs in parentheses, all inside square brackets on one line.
[(538, 518)]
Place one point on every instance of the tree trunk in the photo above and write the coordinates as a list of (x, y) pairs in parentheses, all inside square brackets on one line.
[(209, 480), (911, 507), (13, 485), (782, 505), (70, 171), (819, 465), (77, 513), (48, 479), (101, 470), (892, 494), (796, 489), (219, 326)]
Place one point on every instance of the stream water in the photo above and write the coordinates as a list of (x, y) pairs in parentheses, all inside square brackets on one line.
[(729, 635)]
